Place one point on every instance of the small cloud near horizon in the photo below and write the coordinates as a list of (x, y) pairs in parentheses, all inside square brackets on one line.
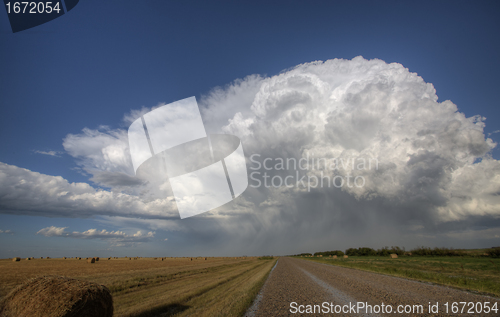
[(117, 238), (50, 153)]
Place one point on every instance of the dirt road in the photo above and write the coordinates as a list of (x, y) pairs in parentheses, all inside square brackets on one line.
[(301, 287)]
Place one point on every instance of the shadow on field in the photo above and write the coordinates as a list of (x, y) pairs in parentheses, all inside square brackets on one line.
[(164, 311)]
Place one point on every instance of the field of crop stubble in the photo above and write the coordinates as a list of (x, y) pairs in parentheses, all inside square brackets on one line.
[(149, 287)]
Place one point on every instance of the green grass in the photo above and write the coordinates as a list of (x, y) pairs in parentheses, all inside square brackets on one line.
[(479, 274), (266, 258)]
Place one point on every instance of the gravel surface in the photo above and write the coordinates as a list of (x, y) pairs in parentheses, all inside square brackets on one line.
[(332, 287)]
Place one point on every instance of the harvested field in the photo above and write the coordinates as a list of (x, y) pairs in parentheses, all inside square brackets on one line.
[(62, 297), (145, 287)]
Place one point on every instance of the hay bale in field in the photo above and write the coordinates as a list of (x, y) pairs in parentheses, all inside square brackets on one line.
[(41, 257), (16, 259), (48, 257), (345, 256), (58, 297), (394, 256), (91, 260), (28, 259), (64, 258), (109, 259), (96, 259), (334, 256), (205, 259), (191, 259)]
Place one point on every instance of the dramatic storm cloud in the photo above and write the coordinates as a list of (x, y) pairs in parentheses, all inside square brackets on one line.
[(350, 150), (359, 111)]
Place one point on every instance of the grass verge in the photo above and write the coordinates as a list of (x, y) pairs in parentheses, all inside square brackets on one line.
[(471, 273)]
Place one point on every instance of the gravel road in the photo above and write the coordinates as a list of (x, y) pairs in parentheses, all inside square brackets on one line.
[(339, 291)]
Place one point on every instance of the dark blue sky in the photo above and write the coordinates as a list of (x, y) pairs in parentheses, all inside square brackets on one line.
[(104, 58), (99, 61)]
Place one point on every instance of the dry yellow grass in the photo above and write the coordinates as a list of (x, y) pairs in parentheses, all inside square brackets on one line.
[(211, 287), (59, 297)]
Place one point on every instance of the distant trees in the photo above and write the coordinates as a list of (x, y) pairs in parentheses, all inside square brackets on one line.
[(328, 253), (385, 251), (494, 252), (419, 251), (304, 254)]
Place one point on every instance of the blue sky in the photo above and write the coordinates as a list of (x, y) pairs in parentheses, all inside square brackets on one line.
[(105, 58)]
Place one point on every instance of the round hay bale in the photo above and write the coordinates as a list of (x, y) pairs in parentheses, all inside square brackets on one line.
[(28, 259), (16, 259), (96, 259), (64, 258), (91, 260), (58, 297)]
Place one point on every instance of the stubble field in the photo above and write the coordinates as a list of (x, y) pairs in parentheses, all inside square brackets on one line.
[(149, 287)]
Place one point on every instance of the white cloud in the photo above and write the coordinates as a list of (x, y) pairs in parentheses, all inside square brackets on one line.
[(6, 231), (369, 109), (25, 192), (50, 153), (435, 170), (117, 238), (102, 149)]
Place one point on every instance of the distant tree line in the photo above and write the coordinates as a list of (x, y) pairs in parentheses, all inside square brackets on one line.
[(328, 253), (385, 251), (421, 251)]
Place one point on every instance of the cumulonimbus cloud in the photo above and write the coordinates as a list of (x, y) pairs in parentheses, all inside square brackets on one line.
[(426, 151), (433, 163)]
